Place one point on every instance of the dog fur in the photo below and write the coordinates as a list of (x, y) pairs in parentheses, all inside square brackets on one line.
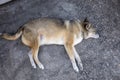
[(47, 31)]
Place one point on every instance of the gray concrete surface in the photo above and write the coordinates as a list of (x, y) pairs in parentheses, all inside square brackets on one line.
[(100, 57)]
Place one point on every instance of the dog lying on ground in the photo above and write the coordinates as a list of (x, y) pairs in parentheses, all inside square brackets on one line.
[(47, 31)]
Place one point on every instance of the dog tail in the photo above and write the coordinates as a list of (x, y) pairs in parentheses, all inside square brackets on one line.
[(12, 37)]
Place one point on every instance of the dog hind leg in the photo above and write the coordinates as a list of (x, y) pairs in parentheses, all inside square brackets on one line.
[(35, 55), (34, 43), (31, 59), (35, 49)]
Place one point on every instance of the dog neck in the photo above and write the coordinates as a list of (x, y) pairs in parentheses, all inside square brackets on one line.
[(84, 34)]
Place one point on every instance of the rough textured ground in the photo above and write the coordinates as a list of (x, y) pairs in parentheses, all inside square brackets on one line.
[(100, 57)]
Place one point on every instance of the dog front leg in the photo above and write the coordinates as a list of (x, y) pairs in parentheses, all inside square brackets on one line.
[(78, 58), (70, 53)]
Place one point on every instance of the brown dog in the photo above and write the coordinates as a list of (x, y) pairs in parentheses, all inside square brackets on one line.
[(46, 31)]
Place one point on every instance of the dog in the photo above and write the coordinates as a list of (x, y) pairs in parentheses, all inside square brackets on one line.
[(47, 31)]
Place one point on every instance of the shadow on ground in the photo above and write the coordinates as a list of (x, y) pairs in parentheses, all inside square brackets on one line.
[(100, 57)]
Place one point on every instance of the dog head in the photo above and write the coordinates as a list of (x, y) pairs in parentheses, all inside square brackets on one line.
[(89, 30)]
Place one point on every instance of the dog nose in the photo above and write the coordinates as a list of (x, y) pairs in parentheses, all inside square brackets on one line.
[(96, 36)]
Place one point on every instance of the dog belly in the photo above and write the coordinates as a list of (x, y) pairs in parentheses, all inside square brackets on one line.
[(48, 41)]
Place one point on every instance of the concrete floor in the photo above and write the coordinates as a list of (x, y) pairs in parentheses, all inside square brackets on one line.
[(100, 57)]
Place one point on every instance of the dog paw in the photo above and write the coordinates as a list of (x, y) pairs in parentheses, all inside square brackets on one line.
[(41, 66), (34, 66), (81, 66), (76, 69)]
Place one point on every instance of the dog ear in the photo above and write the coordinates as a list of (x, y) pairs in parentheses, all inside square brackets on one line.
[(86, 20), (86, 23), (87, 26)]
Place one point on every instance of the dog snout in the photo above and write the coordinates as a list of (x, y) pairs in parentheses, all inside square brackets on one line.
[(96, 36)]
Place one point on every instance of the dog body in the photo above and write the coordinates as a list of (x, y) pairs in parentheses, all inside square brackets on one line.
[(47, 31)]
